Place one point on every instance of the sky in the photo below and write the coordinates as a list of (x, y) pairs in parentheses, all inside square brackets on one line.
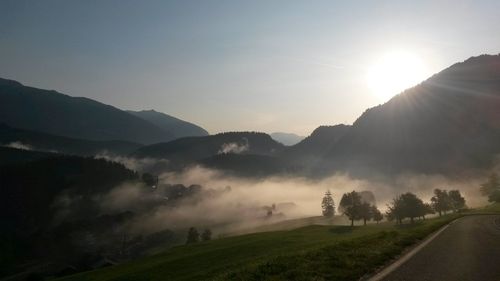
[(286, 66)]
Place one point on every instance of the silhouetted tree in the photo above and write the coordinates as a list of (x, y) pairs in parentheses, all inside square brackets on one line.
[(327, 205), (457, 200), (365, 212), (491, 188), (395, 210), (206, 235), (412, 206), (440, 201), (351, 205), (377, 215), (193, 236), (426, 209), (407, 205)]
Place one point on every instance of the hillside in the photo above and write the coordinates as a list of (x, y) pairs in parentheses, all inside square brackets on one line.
[(48, 205), (179, 128), (58, 114), (50, 143), (308, 253), (191, 149), (10, 156), (447, 124)]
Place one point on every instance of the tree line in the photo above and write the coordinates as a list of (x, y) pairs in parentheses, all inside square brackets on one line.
[(404, 206)]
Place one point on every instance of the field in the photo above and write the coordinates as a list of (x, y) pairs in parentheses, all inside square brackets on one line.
[(307, 253)]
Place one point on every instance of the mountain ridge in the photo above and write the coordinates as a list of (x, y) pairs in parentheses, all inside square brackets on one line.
[(59, 114), (178, 127), (445, 124)]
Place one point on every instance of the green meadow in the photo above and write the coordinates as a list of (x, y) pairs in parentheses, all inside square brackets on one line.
[(313, 252)]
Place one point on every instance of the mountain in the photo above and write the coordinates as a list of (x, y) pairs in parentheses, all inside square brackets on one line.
[(192, 149), (179, 128), (31, 140), (447, 124), (58, 114), (307, 153), (286, 138)]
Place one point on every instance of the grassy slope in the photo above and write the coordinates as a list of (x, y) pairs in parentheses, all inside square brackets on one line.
[(308, 253)]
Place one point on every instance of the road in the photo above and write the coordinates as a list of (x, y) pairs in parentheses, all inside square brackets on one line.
[(468, 249)]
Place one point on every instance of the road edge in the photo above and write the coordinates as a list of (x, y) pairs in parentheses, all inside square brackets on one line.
[(397, 263)]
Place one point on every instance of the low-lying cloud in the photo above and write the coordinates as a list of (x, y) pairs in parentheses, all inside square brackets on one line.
[(19, 145), (229, 204), (234, 147), (135, 164)]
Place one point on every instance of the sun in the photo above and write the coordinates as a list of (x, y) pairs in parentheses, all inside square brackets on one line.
[(395, 72)]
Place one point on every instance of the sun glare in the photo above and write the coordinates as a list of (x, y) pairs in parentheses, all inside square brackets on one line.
[(395, 72)]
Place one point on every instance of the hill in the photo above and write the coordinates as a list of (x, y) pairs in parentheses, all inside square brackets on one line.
[(308, 253), (10, 156), (58, 114), (192, 149), (48, 206), (447, 124), (50, 143), (286, 138), (179, 128)]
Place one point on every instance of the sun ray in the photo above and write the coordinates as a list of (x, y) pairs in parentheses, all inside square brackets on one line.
[(395, 72)]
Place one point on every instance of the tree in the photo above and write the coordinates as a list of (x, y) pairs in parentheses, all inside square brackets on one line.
[(440, 201), (350, 204), (491, 188), (407, 205), (457, 200), (328, 205), (377, 215), (206, 235), (426, 209), (193, 236), (395, 210), (412, 206), (365, 212)]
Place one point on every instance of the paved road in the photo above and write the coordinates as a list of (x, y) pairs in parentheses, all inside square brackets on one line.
[(469, 249)]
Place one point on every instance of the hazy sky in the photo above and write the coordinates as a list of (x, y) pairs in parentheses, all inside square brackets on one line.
[(235, 65)]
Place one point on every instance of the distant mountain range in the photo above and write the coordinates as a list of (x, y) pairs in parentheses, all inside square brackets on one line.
[(447, 124), (54, 113), (286, 138)]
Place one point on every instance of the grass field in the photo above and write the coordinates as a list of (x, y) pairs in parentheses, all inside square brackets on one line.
[(308, 253)]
